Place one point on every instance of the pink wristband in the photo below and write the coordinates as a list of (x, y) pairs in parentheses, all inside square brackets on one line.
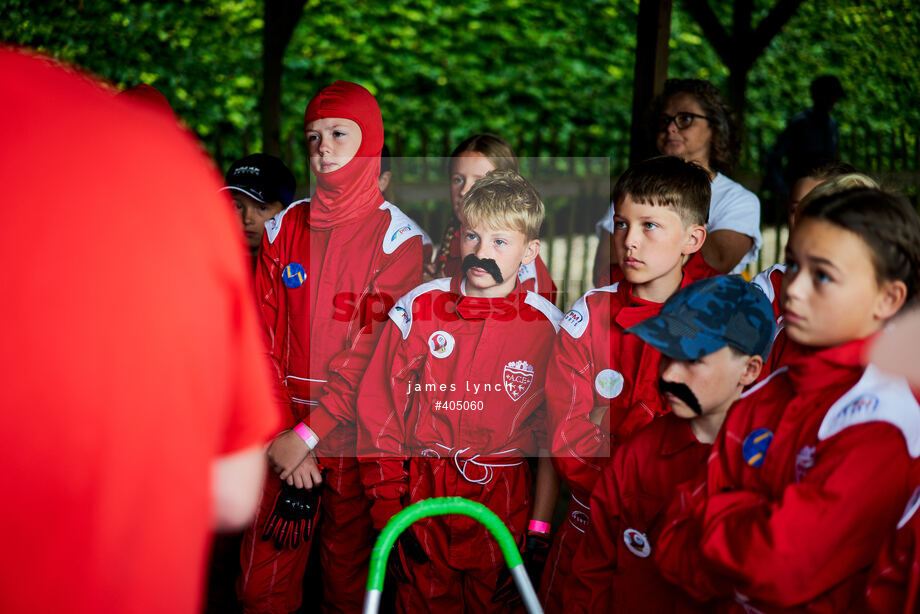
[(538, 526), (307, 434)]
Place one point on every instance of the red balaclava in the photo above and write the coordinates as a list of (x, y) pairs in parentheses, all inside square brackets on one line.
[(350, 192)]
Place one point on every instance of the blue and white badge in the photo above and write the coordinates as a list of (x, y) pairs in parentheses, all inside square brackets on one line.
[(294, 275), (637, 543), (755, 445)]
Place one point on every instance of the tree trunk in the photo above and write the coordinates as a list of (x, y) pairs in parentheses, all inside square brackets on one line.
[(651, 71), (281, 17), (740, 49)]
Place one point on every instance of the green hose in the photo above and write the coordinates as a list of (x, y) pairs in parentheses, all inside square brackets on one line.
[(439, 507)]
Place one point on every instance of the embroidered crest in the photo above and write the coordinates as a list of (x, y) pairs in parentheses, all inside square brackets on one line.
[(804, 461), (441, 344), (609, 383), (637, 543), (518, 376), (294, 275), (755, 445)]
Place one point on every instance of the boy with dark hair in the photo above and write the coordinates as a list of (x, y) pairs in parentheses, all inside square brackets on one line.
[(714, 336), (604, 383), (455, 388), (261, 186)]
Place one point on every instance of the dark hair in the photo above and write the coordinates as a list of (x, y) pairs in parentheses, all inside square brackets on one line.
[(385, 163), (886, 222), (725, 145), (668, 181), (492, 146)]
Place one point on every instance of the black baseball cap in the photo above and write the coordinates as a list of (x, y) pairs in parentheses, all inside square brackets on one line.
[(263, 177)]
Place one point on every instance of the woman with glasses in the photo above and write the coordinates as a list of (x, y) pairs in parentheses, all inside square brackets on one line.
[(691, 120)]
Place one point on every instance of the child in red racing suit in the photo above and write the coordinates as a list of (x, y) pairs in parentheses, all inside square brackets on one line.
[(456, 389), (330, 270), (813, 467), (602, 383)]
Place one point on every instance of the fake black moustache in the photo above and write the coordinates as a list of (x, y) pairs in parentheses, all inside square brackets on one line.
[(682, 392), (486, 264)]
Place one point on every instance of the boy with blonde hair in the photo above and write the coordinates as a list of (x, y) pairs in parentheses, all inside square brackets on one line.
[(603, 384), (455, 388)]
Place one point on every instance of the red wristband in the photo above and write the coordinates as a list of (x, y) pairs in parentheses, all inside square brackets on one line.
[(538, 526)]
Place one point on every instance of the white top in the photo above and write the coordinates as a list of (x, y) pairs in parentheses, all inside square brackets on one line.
[(731, 207)]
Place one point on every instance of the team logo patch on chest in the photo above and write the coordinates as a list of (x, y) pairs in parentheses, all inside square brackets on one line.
[(804, 461), (754, 448), (294, 275), (637, 543), (518, 376), (609, 383), (441, 344)]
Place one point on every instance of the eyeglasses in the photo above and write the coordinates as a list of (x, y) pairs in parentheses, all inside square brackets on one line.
[(681, 120)]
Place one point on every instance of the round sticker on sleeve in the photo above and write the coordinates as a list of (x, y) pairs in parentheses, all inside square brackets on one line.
[(441, 344), (637, 543), (294, 275), (755, 445), (609, 383)]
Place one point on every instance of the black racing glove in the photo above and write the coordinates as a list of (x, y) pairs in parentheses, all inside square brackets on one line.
[(406, 547), (534, 553), (293, 516)]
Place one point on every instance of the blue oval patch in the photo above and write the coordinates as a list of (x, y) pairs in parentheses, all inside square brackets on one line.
[(755, 445), (294, 276)]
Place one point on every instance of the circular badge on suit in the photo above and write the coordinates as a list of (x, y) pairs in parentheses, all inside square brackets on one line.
[(609, 383), (637, 543), (441, 344), (294, 275), (754, 448)]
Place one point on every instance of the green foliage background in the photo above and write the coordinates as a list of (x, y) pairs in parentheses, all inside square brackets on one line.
[(553, 77)]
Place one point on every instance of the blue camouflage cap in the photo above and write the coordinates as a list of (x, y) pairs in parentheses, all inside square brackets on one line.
[(707, 315)]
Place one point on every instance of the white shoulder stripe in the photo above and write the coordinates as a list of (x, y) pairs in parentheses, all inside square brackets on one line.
[(273, 226), (763, 382), (913, 504), (401, 313), (542, 305), (576, 318), (876, 397), (763, 282), (400, 230)]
